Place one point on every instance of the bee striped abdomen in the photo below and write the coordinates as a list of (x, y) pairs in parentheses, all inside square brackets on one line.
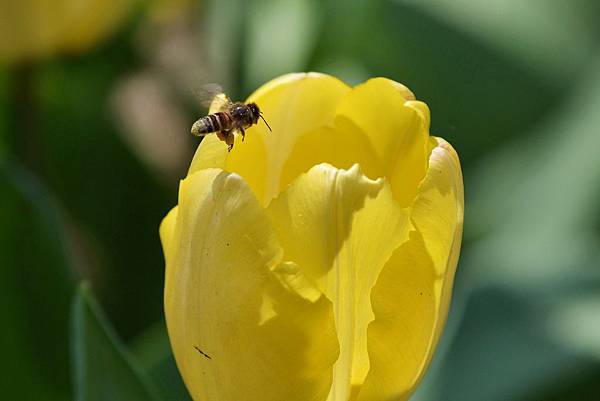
[(212, 123)]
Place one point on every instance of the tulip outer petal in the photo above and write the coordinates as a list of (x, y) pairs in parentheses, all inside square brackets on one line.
[(225, 296), (412, 295), (167, 234)]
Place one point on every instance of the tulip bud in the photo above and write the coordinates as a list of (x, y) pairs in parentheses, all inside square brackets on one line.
[(315, 262)]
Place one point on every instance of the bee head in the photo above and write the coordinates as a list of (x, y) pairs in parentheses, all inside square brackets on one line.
[(255, 112)]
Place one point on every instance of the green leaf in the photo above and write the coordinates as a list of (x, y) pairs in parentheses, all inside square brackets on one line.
[(153, 350), (103, 368)]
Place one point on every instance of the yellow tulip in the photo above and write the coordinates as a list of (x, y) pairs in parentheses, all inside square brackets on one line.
[(315, 262), (38, 28)]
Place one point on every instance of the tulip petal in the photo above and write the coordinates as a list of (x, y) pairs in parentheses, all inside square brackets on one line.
[(292, 104), (341, 227), (211, 153), (412, 295), (340, 147), (243, 324), (33, 28), (439, 209), (167, 234), (397, 127)]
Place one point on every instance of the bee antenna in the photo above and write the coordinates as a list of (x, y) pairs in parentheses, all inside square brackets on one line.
[(261, 116)]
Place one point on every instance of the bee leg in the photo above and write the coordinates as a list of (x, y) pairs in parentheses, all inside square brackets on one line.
[(222, 135), (229, 139), (243, 132)]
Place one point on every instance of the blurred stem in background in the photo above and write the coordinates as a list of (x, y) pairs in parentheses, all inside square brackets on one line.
[(35, 282)]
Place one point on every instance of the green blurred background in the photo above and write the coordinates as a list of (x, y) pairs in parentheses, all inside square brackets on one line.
[(96, 101)]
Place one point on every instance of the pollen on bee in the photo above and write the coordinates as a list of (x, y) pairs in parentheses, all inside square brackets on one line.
[(198, 128)]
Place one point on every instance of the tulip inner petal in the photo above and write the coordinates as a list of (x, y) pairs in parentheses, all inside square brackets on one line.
[(293, 104), (397, 128), (269, 334), (341, 227), (341, 146)]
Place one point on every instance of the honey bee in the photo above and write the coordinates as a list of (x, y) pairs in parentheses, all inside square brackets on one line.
[(229, 117)]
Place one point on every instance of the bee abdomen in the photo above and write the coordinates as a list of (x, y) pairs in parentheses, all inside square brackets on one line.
[(202, 126), (212, 123)]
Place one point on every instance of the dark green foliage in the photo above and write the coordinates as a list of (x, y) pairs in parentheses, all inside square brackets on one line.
[(36, 283)]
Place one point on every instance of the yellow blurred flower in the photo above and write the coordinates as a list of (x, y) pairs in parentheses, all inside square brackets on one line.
[(315, 262), (38, 28)]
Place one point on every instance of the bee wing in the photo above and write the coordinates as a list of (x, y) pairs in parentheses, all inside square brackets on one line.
[(219, 103), (212, 97)]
